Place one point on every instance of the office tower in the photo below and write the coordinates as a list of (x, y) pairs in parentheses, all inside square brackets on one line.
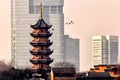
[(104, 50), (72, 51), (26, 12)]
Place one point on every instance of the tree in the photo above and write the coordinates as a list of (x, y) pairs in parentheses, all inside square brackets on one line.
[(4, 67)]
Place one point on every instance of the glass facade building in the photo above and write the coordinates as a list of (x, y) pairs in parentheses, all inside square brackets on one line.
[(26, 12), (104, 50), (72, 52)]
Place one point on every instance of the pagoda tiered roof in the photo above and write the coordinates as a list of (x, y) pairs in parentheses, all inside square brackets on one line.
[(41, 24), (41, 52), (42, 61), (48, 34), (41, 44)]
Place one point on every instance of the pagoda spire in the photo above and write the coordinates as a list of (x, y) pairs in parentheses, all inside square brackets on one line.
[(41, 17)]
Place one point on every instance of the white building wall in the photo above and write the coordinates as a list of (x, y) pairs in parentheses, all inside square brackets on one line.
[(105, 50), (96, 50)]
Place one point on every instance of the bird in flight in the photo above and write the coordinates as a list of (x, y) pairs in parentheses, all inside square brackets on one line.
[(69, 23)]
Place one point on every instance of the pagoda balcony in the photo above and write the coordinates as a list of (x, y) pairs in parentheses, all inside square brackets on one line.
[(41, 52), (47, 34), (41, 43), (42, 61)]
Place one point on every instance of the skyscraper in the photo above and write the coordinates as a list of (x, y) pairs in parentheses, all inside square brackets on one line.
[(26, 12), (104, 50), (72, 51)]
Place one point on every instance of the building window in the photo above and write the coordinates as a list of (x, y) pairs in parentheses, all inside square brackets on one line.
[(46, 9), (60, 9), (31, 7), (53, 9), (37, 9)]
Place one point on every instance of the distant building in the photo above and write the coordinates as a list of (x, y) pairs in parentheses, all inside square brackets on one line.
[(72, 51), (104, 50), (63, 74)]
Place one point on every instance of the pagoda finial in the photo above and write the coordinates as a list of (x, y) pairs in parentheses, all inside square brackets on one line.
[(40, 10)]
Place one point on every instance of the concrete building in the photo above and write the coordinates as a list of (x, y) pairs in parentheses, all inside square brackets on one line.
[(104, 50), (26, 12), (72, 51)]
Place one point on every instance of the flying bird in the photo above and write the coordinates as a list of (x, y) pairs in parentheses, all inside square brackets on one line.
[(69, 23)]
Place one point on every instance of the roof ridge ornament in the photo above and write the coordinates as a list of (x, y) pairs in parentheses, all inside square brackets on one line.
[(41, 17)]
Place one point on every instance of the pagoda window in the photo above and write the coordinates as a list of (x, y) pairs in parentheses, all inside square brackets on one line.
[(36, 40), (45, 48), (44, 66), (40, 66), (37, 48), (43, 30), (43, 39), (36, 57), (35, 66), (36, 31), (39, 57), (45, 57)]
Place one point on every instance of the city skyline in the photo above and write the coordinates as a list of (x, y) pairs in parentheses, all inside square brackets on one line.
[(101, 17)]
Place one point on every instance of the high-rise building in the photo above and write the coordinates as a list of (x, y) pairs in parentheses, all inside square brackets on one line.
[(72, 51), (104, 50), (26, 12)]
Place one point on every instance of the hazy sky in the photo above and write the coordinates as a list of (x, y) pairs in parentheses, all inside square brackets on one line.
[(90, 17)]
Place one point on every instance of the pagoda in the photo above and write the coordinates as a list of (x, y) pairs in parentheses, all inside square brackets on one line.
[(41, 50)]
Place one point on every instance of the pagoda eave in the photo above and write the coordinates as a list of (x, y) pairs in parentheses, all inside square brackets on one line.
[(41, 35), (34, 44), (41, 52), (41, 61), (40, 27), (41, 23)]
